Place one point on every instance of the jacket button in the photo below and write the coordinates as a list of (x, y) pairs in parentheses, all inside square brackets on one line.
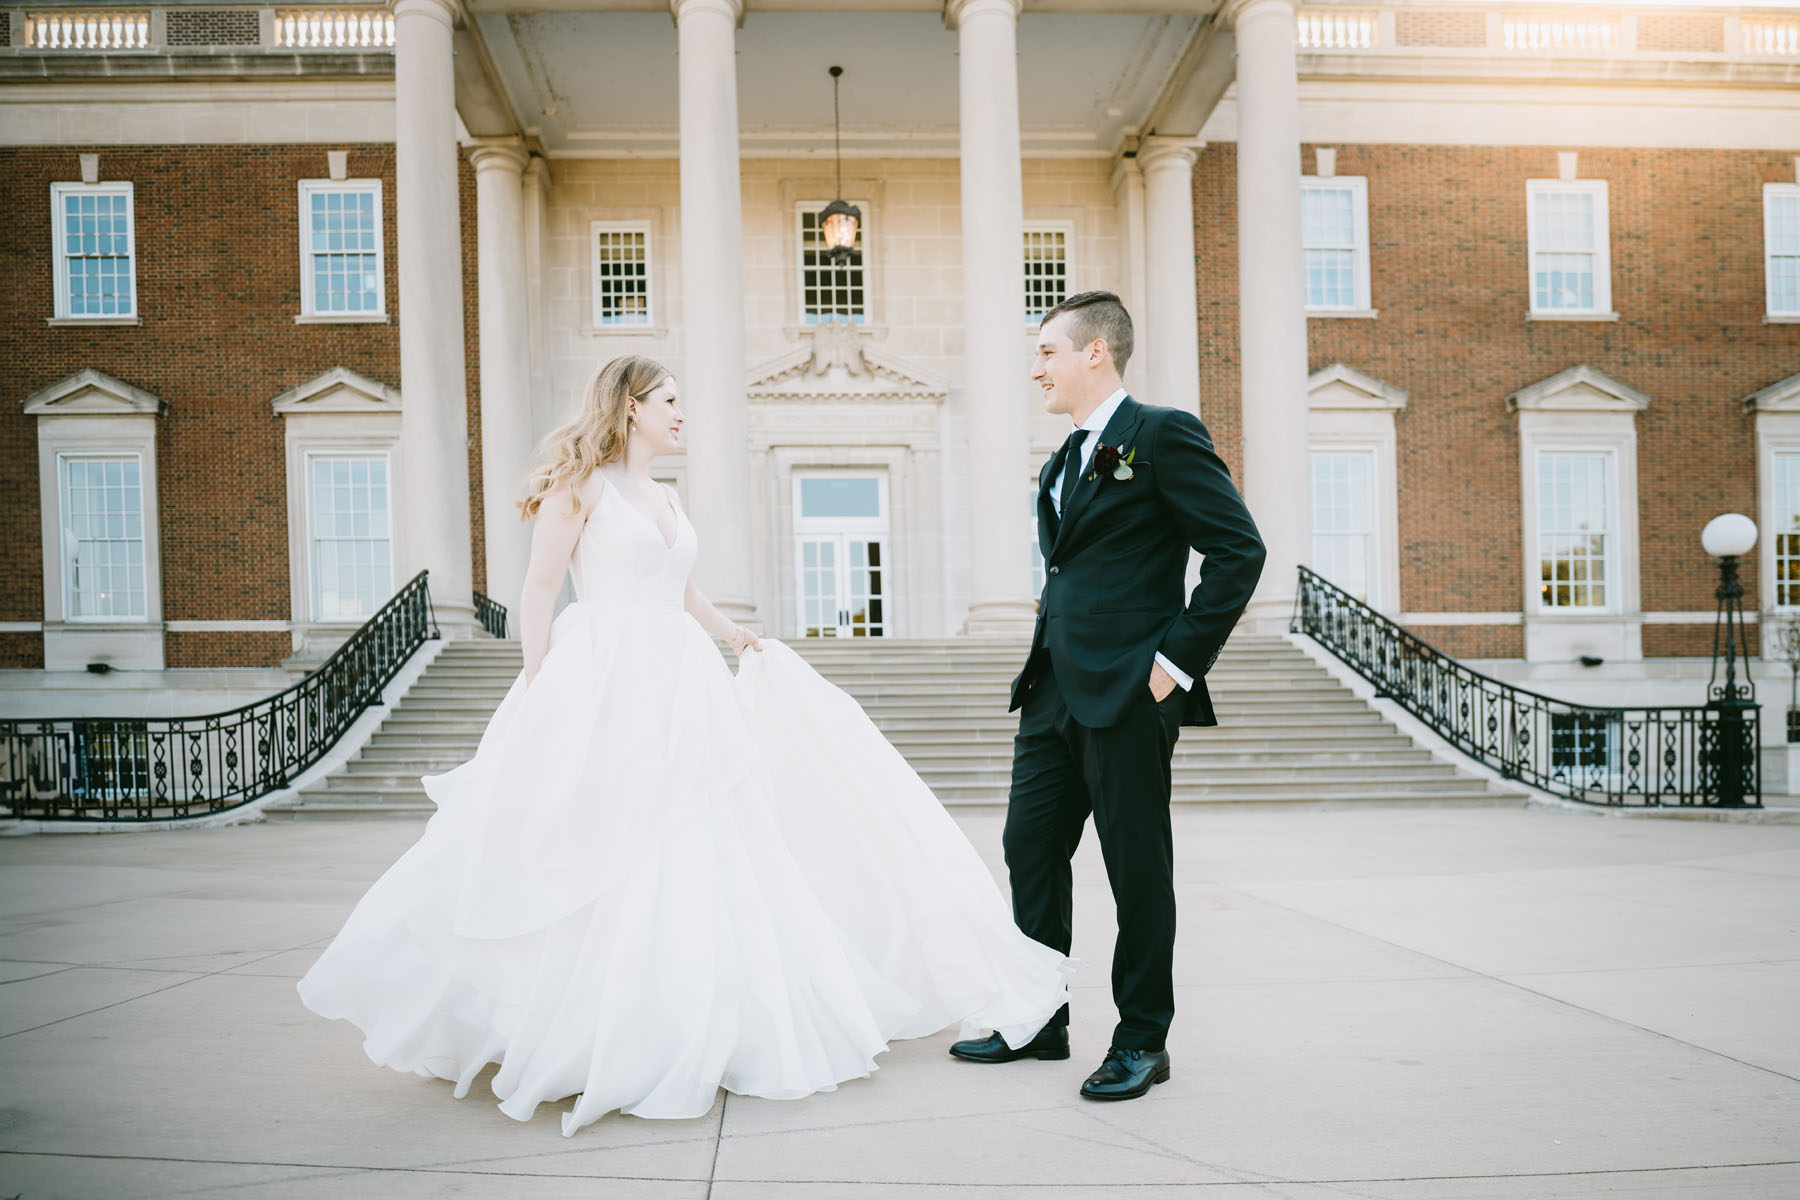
[(1055, 570)]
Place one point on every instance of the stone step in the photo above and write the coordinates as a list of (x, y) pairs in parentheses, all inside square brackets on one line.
[(351, 804)]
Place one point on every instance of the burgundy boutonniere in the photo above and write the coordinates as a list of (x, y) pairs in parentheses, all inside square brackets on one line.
[(1107, 461)]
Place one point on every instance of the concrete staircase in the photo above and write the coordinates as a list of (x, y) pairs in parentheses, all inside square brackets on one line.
[(1289, 733)]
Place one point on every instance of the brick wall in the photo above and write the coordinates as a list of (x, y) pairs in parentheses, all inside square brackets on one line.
[(218, 289), (1435, 27), (213, 27), (1672, 31), (1448, 269)]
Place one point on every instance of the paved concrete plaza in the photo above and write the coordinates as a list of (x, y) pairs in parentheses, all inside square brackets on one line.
[(1417, 1004)]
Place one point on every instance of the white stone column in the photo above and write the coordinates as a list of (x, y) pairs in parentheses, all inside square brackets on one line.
[(1171, 311), (434, 499), (1128, 198), (536, 217), (505, 364), (712, 298), (995, 367), (1271, 300)]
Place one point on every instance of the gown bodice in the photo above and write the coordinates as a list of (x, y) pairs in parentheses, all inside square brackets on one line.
[(621, 558)]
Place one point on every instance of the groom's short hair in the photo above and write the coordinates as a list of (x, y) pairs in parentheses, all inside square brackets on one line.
[(1097, 315)]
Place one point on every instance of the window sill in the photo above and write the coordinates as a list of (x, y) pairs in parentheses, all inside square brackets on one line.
[(74, 322), (343, 319), (1782, 319), (605, 331), (1573, 316), (1355, 314)]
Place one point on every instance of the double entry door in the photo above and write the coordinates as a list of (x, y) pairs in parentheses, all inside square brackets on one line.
[(841, 559)]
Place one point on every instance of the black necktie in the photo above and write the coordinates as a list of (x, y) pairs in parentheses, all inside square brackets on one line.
[(1071, 470)]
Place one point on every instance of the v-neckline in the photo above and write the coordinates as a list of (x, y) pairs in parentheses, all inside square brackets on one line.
[(667, 543)]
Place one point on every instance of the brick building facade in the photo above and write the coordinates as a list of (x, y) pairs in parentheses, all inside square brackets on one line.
[(1423, 109), (219, 283)]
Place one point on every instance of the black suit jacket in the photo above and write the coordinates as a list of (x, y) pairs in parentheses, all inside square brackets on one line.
[(1116, 563)]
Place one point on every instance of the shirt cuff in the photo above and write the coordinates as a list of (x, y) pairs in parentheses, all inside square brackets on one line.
[(1181, 677)]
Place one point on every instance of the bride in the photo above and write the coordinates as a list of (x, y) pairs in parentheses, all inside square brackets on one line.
[(655, 879)]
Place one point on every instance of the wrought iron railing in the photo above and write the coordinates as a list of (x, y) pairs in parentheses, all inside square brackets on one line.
[(1655, 757), (146, 769), (491, 614)]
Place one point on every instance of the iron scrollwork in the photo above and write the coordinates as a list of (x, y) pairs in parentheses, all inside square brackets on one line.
[(121, 769), (1664, 756)]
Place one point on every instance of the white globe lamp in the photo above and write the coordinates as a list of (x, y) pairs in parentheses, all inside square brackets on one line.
[(1730, 536)]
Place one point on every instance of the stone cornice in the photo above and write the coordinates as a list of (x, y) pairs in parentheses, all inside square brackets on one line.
[(93, 393), (1578, 389), (1342, 387), (195, 63), (339, 390), (1780, 396)]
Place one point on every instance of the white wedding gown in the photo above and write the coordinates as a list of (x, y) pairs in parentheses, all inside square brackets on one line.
[(655, 879)]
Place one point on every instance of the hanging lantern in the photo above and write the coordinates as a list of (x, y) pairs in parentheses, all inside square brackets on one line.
[(839, 222), (838, 225)]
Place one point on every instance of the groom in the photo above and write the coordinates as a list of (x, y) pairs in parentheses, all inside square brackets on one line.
[(1116, 667)]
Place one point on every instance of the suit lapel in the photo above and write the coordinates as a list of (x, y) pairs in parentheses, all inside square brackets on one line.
[(1118, 433), (1046, 511)]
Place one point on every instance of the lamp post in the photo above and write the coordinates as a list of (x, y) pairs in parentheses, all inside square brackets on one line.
[(1729, 538)]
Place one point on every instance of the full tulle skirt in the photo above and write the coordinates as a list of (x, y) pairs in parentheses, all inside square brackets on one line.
[(655, 879)]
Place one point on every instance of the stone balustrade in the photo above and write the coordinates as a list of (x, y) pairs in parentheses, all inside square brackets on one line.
[(237, 28), (1574, 32)]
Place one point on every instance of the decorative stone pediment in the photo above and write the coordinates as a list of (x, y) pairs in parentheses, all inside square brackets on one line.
[(1783, 396), (1338, 386), (339, 390), (1578, 389), (835, 363), (92, 392)]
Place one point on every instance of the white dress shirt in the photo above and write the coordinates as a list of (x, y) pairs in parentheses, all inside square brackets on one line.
[(1094, 426)]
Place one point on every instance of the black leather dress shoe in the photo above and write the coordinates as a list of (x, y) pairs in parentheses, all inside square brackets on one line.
[(1050, 1043), (1127, 1074)]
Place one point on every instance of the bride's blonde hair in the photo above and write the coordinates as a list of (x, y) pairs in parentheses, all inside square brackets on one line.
[(596, 436)]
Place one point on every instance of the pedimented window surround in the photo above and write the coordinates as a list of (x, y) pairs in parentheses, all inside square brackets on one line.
[(835, 402), (1583, 411), (91, 413), (337, 413), (1776, 410), (1349, 410)]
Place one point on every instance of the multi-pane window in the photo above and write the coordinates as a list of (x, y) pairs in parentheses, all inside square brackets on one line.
[(1334, 240), (1575, 529), (1781, 247), (1046, 270), (351, 548), (103, 537), (831, 291), (96, 269), (1343, 519), (1568, 244), (340, 248), (621, 274), (1786, 485)]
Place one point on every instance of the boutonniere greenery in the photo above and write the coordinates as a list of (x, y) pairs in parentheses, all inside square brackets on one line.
[(1108, 461)]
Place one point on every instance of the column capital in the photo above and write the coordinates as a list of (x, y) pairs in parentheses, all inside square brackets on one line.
[(1234, 13), (1161, 152), (537, 173), (958, 11), (731, 9), (498, 154), (447, 11)]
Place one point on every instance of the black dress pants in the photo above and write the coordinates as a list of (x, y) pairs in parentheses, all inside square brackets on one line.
[(1062, 771)]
